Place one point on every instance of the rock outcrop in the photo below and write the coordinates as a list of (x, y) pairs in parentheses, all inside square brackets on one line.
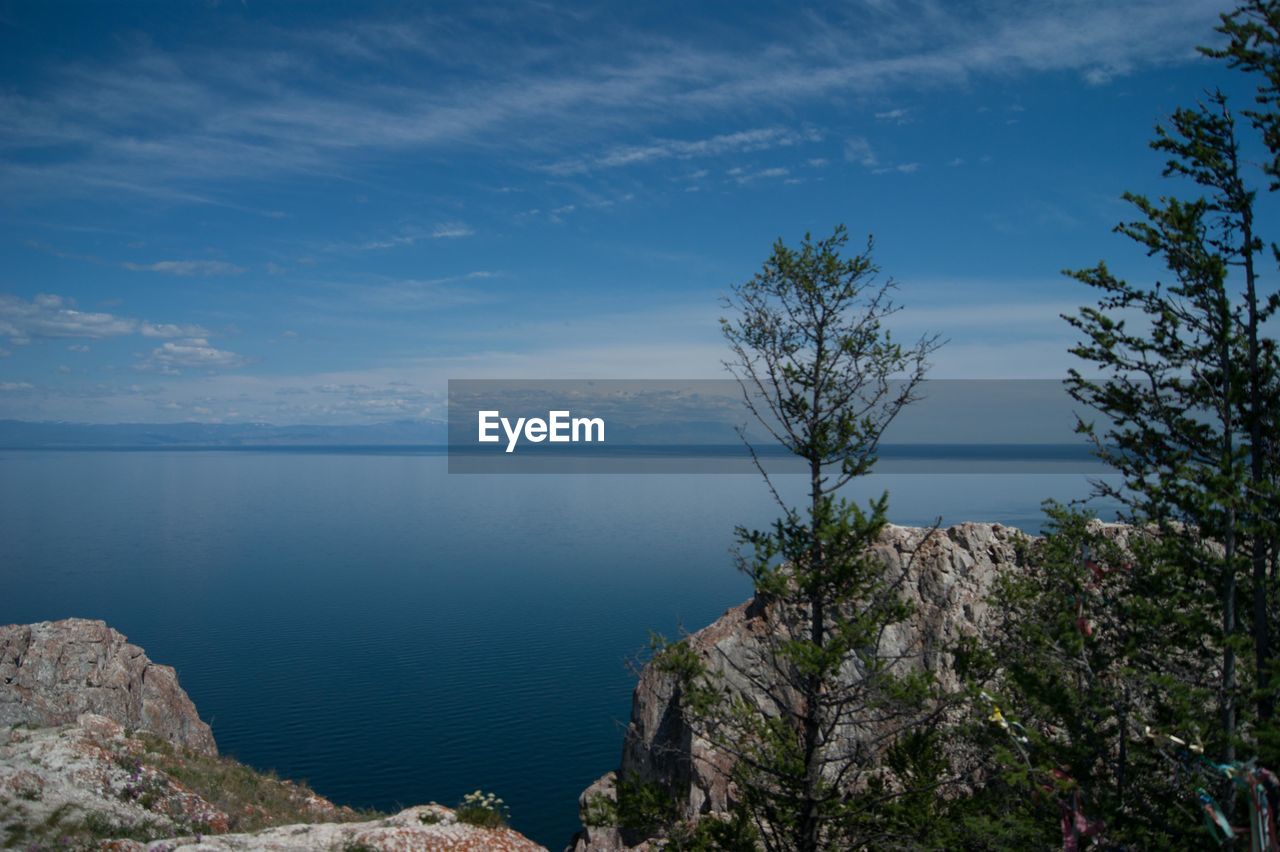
[(948, 576), (427, 828), (91, 785), (100, 748), (54, 671)]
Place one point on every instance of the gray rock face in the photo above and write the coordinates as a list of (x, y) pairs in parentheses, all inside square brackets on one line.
[(401, 832), (52, 672), (947, 579), (73, 785)]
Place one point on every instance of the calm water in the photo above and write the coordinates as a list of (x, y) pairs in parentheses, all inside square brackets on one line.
[(393, 634)]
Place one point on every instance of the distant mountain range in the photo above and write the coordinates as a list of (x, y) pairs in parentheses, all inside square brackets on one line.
[(25, 434), (22, 434)]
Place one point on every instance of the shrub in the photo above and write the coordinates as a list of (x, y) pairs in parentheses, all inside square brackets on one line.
[(601, 810), (482, 809), (644, 806)]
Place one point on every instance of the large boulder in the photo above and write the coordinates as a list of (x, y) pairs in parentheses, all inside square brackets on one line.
[(53, 671)]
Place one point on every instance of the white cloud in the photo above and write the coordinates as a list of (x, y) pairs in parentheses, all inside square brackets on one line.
[(1098, 76), (191, 352), (451, 230), (54, 316), (414, 234), (760, 139), (895, 116), (168, 329), (15, 386), (186, 267), (858, 150), (901, 168), (741, 176), (382, 292), (236, 111)]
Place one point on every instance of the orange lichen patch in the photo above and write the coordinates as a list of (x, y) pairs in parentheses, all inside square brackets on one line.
[(23, 784)]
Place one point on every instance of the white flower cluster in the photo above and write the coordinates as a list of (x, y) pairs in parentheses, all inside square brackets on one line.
[(487, 801)]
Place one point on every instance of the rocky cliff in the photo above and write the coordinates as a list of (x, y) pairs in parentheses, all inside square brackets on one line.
[(100, 748), (52, 672), (948, 575)]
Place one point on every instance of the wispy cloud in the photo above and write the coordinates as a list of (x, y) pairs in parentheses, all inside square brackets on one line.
[(54, 316), (186, 267), (759, 139), (451, 231), (174, 123), (901, 168), (894, 116), (415, 234), (169, 267), (192, 352), (381, 293), (858, 150), (742, 176)]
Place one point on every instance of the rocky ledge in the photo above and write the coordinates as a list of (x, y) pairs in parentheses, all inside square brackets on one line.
[(948, 576), (52, 672), (100, 748)]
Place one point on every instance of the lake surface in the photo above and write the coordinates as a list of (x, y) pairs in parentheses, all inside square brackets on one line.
[(394, 634)]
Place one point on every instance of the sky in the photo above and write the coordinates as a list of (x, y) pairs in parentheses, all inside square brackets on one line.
[(320, 213)]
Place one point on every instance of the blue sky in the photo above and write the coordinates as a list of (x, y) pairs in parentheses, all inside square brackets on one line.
[(319, 213)]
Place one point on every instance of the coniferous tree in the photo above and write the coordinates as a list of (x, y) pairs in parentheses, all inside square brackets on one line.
[(1164, 684), (836, 705), (1178, 390), (1253, 33), (1089, 668)]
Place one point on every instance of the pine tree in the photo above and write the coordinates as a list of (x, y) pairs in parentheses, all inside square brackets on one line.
[(1253, 33), (838, 708), (1172, 382)]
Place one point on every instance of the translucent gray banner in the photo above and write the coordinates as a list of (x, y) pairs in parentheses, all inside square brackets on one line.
[(699, 426)]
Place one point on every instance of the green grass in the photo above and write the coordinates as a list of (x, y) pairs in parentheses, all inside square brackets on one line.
[(251, 799), (67, 827)]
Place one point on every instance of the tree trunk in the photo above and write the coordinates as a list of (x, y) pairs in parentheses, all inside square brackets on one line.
[(1228, 546), (811, 815), (1257, 475)]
